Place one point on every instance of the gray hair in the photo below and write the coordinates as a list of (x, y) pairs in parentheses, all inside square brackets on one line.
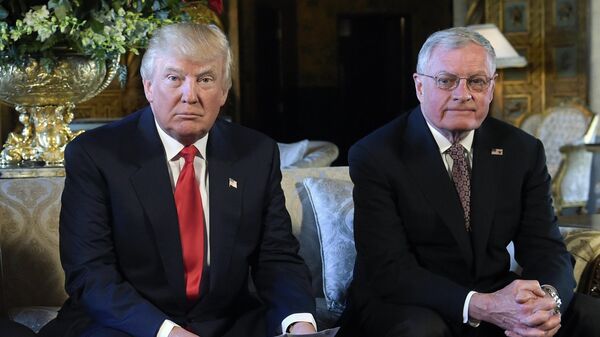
[(454, 38), (197, 42)]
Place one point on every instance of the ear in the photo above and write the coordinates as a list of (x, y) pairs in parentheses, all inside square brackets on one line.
[(148, 90), (418, 87), (224, 94)]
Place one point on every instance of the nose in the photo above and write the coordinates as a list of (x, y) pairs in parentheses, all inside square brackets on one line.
[(462, 92), (188, 92)]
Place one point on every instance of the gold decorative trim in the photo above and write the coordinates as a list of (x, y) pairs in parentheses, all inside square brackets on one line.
[(519, 121), (16, 173), (45, 99)]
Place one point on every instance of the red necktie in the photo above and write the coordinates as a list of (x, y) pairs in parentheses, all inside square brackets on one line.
[(191, 223), (462, 179)]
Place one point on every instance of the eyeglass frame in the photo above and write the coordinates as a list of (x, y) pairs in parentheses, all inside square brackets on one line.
[(435, 78)]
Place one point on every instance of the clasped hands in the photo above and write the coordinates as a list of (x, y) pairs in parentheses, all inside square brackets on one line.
[(521, 308)]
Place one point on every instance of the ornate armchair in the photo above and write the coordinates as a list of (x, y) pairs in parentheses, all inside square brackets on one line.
[(571, 184), (562, 125), (531, 123)]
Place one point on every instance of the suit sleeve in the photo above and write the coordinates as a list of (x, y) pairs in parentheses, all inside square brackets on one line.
[(539, 247), (93, 280), (280, 274), (386, 268)]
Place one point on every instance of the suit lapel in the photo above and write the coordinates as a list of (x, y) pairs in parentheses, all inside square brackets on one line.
[(226, 190), (426, 166), (484, 185), (153, 187)]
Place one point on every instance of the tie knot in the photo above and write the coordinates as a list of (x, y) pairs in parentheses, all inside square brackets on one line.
[(188, 153), (456, 151)]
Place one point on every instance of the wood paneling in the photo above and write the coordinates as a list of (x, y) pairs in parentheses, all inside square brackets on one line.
[(553, 37)]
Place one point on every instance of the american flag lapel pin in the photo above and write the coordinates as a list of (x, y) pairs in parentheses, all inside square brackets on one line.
[(497, 152), (232, 183)]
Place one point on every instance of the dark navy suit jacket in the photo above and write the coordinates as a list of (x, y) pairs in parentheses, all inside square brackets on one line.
[(120, 246), (412, 246)]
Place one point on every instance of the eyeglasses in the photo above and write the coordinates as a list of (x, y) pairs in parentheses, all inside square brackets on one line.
[(448, 81)]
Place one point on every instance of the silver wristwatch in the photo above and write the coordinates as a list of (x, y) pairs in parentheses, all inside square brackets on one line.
[(550, 290), (474, 322)]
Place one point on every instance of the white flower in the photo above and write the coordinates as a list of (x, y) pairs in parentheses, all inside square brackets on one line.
[(109, 33), (35, 17)]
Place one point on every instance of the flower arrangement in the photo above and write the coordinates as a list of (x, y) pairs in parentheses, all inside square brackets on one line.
[(99, 29)]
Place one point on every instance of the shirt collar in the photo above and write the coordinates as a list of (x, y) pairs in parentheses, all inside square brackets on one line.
[(173, 147), (444, 144)]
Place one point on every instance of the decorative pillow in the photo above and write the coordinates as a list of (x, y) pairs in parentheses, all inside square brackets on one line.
[(292, 152), (333, 207)]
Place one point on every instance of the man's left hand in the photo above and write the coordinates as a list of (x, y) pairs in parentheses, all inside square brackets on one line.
[(544, 318), (302, 328)]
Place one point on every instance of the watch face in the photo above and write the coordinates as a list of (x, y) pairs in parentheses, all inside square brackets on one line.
[(474, 323), (552, 292)]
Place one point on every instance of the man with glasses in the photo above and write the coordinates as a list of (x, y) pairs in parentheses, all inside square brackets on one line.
[(439, 194)]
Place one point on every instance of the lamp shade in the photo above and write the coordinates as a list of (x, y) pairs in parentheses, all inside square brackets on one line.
[(506, 55)]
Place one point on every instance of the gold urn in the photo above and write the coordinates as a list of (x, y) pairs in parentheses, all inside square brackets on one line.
[(45, 99)]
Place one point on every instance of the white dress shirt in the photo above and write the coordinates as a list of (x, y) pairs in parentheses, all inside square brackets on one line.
[(444, 144), (176, 162)]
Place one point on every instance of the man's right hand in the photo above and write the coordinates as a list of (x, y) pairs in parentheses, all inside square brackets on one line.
[(181, 332), (521, 308)]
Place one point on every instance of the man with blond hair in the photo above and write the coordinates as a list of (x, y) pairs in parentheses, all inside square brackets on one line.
[(173, 222)]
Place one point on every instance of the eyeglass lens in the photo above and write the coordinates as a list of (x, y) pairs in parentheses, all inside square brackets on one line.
[(449, 81)]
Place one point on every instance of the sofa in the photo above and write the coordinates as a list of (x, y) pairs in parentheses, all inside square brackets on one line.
[(32, 280), (319, 201)]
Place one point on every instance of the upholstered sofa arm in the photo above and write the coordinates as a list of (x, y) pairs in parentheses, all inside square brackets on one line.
[(307, 154), (318, 154), (584, 245), (590, 280), (31, 272)]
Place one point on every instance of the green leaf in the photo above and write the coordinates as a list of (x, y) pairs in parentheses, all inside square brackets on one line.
[(96, 25), (61, 8)]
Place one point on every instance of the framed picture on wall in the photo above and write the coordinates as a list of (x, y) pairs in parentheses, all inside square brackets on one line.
[(565, 61), (515, 107), (516, 16), (565, 13)]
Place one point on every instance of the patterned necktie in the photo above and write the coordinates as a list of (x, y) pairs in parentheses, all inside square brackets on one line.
[(462, 179), (191, 223)]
